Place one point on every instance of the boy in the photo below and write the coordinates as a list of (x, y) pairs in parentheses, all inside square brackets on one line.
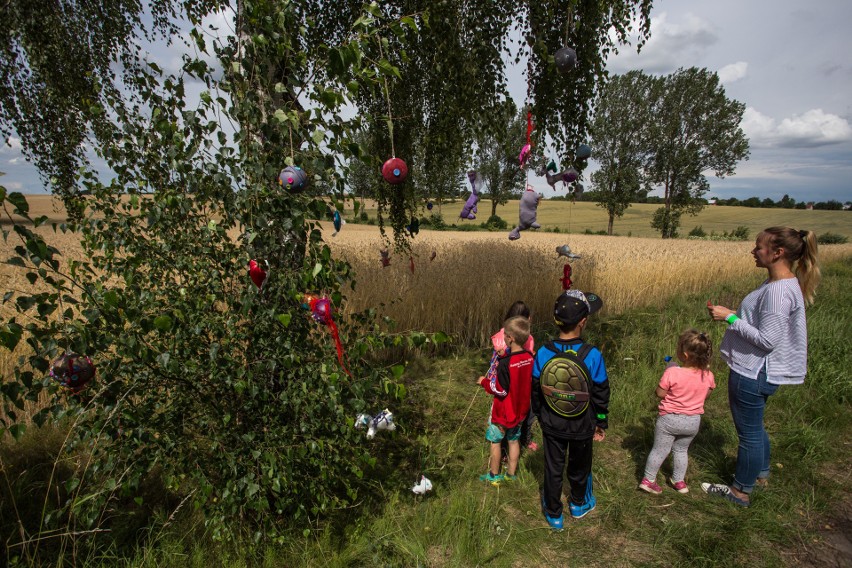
[(572, 434), (511, 391)]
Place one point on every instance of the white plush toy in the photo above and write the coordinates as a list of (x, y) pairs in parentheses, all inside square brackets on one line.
[(381, 421), (422, 487)]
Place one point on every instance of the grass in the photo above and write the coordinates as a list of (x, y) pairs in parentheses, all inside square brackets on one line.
[(578, 217), (464, 522)]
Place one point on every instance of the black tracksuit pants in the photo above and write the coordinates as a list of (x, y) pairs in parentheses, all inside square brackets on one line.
[(579, 470)]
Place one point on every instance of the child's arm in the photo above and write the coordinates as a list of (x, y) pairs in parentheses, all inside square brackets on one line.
[(661, 392)]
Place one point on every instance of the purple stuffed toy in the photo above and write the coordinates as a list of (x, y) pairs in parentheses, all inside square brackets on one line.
[(528, 212), (469, 210)]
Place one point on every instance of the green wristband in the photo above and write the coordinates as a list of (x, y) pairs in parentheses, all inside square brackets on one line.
[(731, 318), (601, 416)]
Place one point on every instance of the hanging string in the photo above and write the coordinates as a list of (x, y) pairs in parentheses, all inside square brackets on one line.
[(290, 128), (387, 97), (569, 24)]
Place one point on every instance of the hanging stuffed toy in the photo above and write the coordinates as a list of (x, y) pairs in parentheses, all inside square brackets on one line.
[(385, 257), (394, 171), (411, 264), (414, 227), (293, 178), (469, 209), (527, 214), (566, 277), (321, 311), (422, 487), (582, 152), (565, 59), (433, 255), (565, 251), (381, 421), (429, 206), (72, 371), (338, 223), (257, 274)]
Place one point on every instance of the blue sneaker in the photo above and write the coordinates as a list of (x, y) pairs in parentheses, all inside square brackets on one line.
[(580, 511), (556, 523)]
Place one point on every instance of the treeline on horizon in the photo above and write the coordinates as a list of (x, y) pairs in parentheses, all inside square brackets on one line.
[(785, 202)]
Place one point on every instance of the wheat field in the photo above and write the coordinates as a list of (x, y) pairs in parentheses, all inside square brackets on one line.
[(474, 276)]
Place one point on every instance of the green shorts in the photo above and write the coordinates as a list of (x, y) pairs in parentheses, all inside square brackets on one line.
[(495, 433)]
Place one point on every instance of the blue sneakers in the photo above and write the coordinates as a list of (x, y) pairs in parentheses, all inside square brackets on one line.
[(493, 480), (580, 511), (556, 523)]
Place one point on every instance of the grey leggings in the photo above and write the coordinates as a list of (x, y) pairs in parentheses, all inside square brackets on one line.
[(673, 433)]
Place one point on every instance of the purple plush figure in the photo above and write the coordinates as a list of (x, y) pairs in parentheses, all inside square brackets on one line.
[(528, 213), (469, 210)]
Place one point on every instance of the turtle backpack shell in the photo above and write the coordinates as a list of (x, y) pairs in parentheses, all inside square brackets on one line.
[(566, 382)]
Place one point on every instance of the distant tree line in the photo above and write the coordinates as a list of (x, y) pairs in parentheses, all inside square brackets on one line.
[(785, 202)]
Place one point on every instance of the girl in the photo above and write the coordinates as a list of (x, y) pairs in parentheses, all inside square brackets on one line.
[(766, 345), (683, 391)]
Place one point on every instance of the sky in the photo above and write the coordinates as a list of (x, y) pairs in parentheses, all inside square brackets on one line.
[(787, 61)]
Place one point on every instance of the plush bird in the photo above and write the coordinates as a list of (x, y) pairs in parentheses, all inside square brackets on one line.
[(257, 274), (338, 223)]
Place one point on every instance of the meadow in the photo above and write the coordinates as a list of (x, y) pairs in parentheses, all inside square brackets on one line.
[(652, 290)]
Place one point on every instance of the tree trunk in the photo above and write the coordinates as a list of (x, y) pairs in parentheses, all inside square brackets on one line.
[(609, 225), (493, 207)]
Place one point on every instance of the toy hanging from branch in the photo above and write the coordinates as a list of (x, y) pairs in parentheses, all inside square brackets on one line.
[(72, 371), (338, 223), (422, 487), (385, 257), (469, 209), (257, 274), (527, 214), (394, 170), (293, 178), (321, 311)]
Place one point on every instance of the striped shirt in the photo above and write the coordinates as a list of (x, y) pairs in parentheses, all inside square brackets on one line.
[(771, 332)]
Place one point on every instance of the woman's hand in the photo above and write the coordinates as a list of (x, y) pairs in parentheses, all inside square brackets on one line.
[(719, 313)]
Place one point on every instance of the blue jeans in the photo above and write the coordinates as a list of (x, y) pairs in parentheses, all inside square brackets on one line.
[(748, 400)]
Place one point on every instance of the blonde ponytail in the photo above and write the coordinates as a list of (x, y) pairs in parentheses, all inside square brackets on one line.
[(800, 247)]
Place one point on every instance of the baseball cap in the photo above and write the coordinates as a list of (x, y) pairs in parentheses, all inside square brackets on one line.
[(573, 305)]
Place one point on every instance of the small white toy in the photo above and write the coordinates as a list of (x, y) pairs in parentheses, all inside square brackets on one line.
[(422, 487), (381, 421)]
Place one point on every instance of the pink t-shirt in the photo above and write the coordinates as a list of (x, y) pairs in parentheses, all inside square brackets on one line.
[(686, 389)]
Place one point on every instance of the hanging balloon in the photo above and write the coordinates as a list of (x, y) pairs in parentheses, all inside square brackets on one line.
[(570, 175), (414, 227), (72, 371), (293, 178), (257, 274), (525, 154), (578, 190), (565, 59), (583, 152), (394, 171), (429, 206)]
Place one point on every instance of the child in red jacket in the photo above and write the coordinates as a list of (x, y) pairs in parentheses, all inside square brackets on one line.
[(511, 390)]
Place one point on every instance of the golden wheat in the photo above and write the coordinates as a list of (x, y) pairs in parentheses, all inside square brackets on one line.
[(474, 277)]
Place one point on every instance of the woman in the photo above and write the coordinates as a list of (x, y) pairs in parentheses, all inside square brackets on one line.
[(766, 345)]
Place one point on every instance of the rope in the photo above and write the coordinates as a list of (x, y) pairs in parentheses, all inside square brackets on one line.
[(387, 97)]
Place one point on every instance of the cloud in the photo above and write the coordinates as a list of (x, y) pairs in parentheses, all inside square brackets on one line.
[(812, 129), (670, 44), (733, 72), (13, 146)]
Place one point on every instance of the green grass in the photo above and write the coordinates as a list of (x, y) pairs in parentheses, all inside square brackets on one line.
[(578, 217), (463, 522)]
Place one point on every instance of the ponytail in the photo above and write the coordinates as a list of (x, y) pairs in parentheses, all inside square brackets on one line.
[(800, 247), (807, 269)]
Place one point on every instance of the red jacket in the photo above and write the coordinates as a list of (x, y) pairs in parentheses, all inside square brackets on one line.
[(511, 389)]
